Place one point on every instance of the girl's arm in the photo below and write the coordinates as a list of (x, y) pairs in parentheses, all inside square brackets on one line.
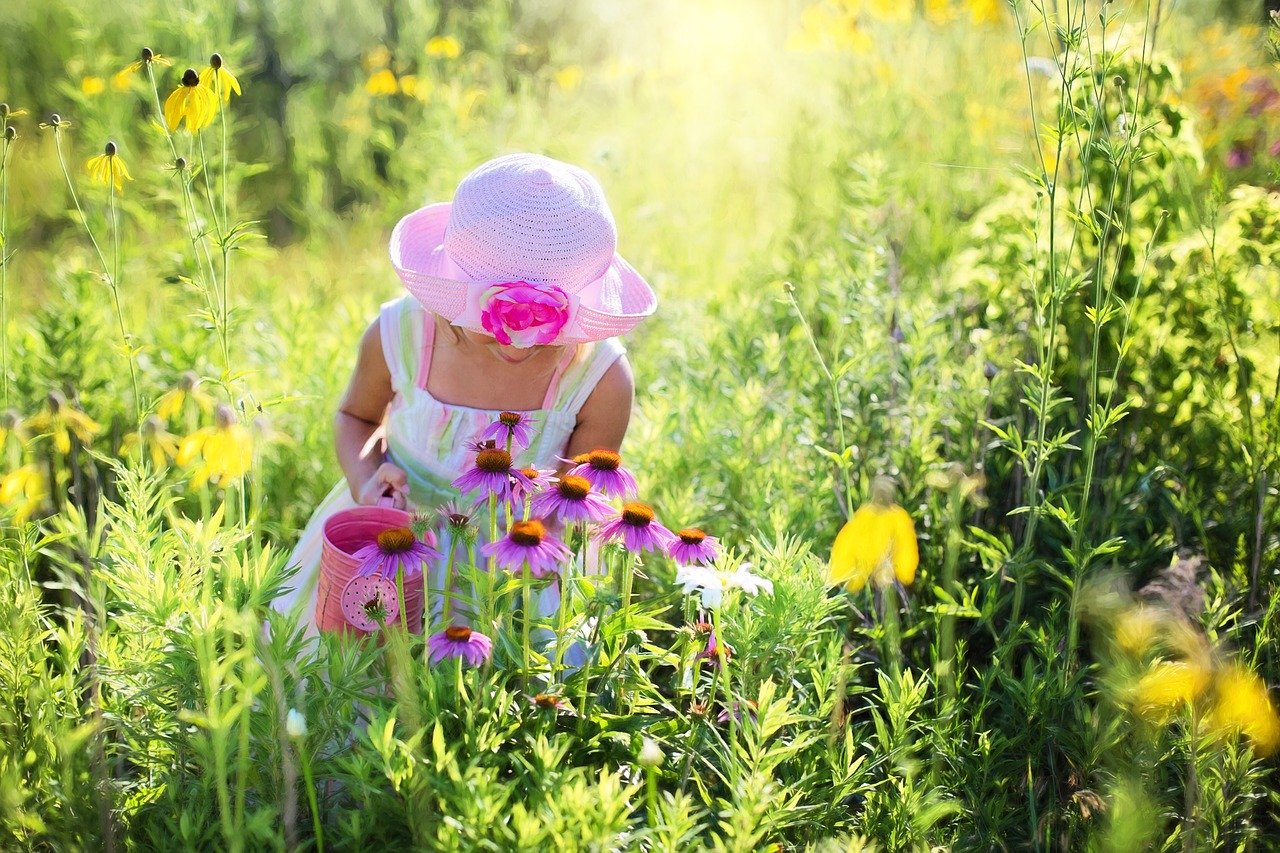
[(359, 416), (603, 419)]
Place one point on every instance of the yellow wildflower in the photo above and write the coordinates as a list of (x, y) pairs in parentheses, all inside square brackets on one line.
[(11, 425), (188, 388), (8, 112), (446, 46), (218, 79), (24, 490), (381, 83), (1136, 628), (92, 85), (466, 105), (1241, 704), (895, 11), (569, 77), (159, 442), (122, 80), (940, 11), (60, 421), (108, 168), (985, 11), (192, 102), (413, 87), (225, 450), (146, 57), (878, 543), (1167, 686)]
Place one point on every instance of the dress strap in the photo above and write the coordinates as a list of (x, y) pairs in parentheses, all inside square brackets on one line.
[(428, 347), (554, 387)]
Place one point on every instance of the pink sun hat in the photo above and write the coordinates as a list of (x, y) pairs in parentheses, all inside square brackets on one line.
[(526, 252)]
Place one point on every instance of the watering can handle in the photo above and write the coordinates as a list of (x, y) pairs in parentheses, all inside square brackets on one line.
[(388, 499)]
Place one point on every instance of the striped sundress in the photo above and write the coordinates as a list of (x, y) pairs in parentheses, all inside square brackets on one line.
[(427, 438)]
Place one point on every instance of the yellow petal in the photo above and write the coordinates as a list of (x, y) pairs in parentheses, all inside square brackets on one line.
[(381, 83), (174, 106), (170, 403), (906, 550), (92, 85), (1169, 685), (862, 545)]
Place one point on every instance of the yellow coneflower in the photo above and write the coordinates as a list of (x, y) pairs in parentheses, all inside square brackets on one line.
[(878, 543), (91, 85), (381, 83), (11, 425), (192, 102), (416, 87), (60, 421), (188, 388), (446, 46), (225, 450), (8, 112), (145, 57), (219, 79), (23, 490), (568, 78), (161, 444), (1169, 685), (108, 168), (1241, 704)]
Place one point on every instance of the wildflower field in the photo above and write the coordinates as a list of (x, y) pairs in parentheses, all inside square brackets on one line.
[(956, 443)]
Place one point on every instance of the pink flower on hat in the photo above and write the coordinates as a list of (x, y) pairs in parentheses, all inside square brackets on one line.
[(522, 314)]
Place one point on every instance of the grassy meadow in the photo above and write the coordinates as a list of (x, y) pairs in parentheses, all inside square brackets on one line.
[(1019, 261)]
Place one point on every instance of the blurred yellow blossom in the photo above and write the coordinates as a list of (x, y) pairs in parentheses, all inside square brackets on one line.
[(377, 58), (878, 544), (416, 87), (145, 58), (122, 80), (824, 27), (161, 444), (60, 421), (985, 11), (23, 490), (381, 83), (465, 106), (219, 79), (940, 11), (446, 46), (92, 85), (893, 11), (1136, 629), (224, 450), (192, 102), (1241, 704), (569, 77), (1168, 685), (188, 388), (108, 168)]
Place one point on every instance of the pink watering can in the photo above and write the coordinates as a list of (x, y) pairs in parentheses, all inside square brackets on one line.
[(347, 603)]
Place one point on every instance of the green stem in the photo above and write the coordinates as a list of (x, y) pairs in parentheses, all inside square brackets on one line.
[(4, 260), (404, 617), (305, 758), (528, 620), (727, 683)]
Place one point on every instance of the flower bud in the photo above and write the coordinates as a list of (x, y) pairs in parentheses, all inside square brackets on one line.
[(180, 163), (55, 119), (215, 61), (650, 754), (10, 133), (146, 55), (110, 149), (190, 78), (224, 416), (4, 110), (295, 725), (989, 371)]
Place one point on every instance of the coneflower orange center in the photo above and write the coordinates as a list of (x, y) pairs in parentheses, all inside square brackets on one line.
[(493, 461), (457, 519), (636, 515), (604, 460), (573, 487), (691, 536), (509, 419), (528, 532), (581, 459), (397, 540), (531, 473), (458, 633), (546, 700)]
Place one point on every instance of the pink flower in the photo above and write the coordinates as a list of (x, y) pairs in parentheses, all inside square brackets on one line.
[(638, 529), (521, 314), (510, 426), (528, 543), (459, 641), (571, 501), (396, 547), (693, 546), (492, 474), (603, 470)]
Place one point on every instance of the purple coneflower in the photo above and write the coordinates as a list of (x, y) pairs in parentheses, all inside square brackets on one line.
[(458, 523), (712, 651), (396, 547), (492, 474), (528, 542), (692, 546), (603, 470), (539, 480), (510, 426), (638, 529), (552, 702), (459, 641), (738, 707), (571, 500)]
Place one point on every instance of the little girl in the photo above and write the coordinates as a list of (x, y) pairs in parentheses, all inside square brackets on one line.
[(516, 296)]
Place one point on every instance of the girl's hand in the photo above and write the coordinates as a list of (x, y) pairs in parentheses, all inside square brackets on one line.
[(388, 480)]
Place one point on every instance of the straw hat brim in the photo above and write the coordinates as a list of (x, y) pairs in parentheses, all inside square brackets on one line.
[(612, 304)]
